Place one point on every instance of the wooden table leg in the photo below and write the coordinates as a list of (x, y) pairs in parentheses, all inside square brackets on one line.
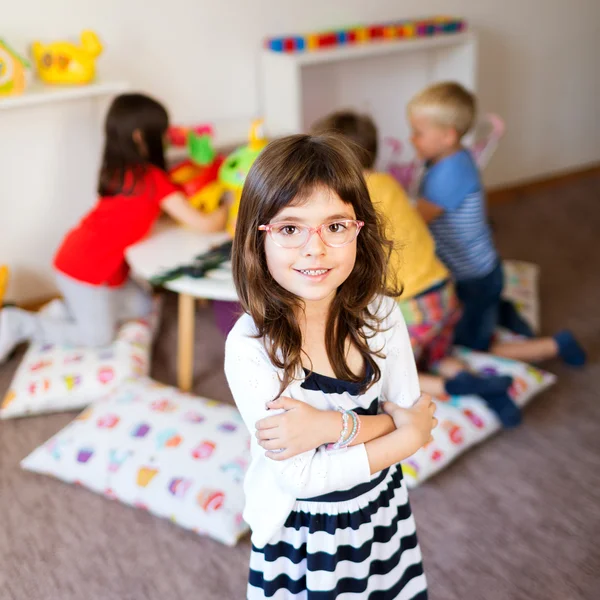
[(185, 342)]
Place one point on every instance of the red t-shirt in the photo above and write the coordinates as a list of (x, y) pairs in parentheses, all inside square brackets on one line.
[(94, 252)]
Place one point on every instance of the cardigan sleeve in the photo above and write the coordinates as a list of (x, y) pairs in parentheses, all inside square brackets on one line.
[(254, 381)]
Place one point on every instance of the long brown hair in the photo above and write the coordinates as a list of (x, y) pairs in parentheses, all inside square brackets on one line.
[(129, 113), (285, 174)]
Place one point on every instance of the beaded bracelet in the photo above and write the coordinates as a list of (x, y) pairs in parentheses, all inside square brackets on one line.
[(352, 435), (344, 431), (344, 441), (355, 430)]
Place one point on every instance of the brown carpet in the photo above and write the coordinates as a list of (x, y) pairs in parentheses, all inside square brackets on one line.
[(517, 518)]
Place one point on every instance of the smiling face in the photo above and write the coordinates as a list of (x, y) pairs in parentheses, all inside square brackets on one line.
[(315, 271)]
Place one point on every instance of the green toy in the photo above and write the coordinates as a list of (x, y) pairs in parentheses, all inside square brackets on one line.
[(234, 170)]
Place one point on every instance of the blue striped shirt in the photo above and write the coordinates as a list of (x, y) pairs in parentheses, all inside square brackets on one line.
[(462, 233)]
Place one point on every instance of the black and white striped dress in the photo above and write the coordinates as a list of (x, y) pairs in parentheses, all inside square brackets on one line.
[(354, 544)]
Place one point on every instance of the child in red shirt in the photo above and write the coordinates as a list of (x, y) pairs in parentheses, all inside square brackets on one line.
[(91, 271)]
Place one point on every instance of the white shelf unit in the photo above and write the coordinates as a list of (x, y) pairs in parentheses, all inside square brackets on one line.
[(378, 78)]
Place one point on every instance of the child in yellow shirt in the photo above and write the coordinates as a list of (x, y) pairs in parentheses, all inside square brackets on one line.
[(428, 301)]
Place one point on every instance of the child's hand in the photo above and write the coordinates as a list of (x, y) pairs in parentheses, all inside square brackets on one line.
[(419, 418), (299, 429)]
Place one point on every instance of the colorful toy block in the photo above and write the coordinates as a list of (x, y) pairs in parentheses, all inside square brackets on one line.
[(375, 32), (363, 34), (177, 135), (409, 30), (196, 174), (192, 177)]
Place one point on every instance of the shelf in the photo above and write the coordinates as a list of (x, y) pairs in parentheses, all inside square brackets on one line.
[(376, 77), (376, 48), (38, 93)]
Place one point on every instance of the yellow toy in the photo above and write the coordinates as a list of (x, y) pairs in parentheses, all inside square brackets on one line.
[(67, 63), (207, 186), (4, 273), (198, 176), (12, 71), (209, 197)]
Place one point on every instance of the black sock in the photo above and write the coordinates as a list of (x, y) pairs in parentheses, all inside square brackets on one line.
[(569, 349), (505, 408), (469, 383)]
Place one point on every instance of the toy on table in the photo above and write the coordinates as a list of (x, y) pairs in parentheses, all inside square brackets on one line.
[(203, 185), (177, 135), (488, 134), (13, 67), (64, 62), (198, 175), (232, 175), (362, 34), (234, 170)]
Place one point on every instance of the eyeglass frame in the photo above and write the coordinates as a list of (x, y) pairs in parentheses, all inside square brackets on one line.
[(312, 230)]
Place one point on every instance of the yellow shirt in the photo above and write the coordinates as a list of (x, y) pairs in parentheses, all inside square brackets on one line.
[(413, 261)]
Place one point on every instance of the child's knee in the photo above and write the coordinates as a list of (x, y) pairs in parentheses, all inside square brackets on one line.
[(97, 338)]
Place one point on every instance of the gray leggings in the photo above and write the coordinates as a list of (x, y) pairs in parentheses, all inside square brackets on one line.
[(89, 316)]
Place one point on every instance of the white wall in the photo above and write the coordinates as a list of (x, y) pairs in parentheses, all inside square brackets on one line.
[(538, 69)]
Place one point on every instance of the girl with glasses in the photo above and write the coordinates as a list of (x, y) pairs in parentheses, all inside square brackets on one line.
[(321, 368)]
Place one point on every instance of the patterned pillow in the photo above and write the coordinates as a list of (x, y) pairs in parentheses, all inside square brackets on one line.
[(521, 287), (466, 420), (60, 378), (155, 448)]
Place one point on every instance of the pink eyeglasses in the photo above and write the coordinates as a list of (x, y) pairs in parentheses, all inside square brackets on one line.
[(335, 234)]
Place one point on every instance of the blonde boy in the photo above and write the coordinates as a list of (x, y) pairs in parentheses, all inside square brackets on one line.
[(453, 203)]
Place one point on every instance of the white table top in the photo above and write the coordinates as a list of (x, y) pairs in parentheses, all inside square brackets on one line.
[(171, 246)]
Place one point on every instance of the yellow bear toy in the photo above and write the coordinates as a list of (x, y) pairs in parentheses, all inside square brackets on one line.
[(65, 62)]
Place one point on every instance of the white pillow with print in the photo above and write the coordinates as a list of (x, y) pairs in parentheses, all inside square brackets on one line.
[(53, 378), (153, 447), (521, 288)]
